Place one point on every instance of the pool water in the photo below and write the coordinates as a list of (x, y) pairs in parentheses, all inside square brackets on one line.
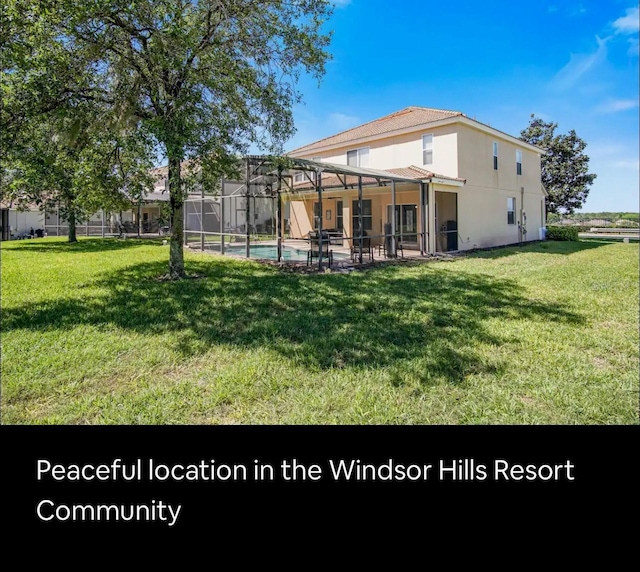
[(270, 252)]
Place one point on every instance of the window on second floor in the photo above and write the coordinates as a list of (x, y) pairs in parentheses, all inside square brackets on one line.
[(518, 162), (298, 177), (495, 155), (427, 149), (511, 210), (358, 157)]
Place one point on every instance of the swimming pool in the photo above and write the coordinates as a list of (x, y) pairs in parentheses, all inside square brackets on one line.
[(270, 252)]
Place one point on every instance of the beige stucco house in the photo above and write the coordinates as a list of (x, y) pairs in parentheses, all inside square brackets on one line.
[(476, 186)]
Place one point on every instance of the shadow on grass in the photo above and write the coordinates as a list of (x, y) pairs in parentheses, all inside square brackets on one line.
[(546, 247), (84, 244), (425, 324)]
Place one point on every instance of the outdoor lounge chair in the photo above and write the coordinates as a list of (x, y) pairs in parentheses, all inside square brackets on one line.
[(367, 249), (314, 248)]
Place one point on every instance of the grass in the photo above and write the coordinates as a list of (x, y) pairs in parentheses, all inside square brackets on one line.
[(542, 334)]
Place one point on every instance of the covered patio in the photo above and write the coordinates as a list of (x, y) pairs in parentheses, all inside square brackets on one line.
[(299, 210)]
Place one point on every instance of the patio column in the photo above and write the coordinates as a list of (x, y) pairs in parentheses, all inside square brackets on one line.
[(423, 226), (360, 225), (202, 217), (222, 215), (102, 223), (432, 222), (393, 219), (247, 211), (427, 219), (319, 187), (139, 215)]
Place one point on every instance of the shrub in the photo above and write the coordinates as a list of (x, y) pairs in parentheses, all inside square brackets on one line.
[(562, 233)]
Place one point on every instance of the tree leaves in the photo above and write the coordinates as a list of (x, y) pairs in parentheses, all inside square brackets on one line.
[(201, 80), (565, 166)]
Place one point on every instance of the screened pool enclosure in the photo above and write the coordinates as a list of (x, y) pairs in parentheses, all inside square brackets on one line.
[(310, 212)]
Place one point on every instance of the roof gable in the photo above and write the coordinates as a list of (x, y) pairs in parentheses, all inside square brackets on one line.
[(403, 119)]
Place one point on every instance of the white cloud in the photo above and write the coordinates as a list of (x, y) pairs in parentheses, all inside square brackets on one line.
[(342, 122), (311, 127), (627, 164), (605, 149), (615, 105), (629, 23), (579, 65), (577, 10)]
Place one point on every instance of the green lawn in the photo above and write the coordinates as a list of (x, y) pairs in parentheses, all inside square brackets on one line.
[(544, 334)]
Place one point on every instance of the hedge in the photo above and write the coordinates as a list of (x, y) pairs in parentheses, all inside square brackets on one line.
[(562, 233)]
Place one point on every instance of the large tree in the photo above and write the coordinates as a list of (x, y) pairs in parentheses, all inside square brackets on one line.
[(205, 78), (75, 164), (61, 147), (565, 166)]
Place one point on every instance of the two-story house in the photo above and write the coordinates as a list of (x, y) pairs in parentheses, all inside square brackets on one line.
[(481, 187)]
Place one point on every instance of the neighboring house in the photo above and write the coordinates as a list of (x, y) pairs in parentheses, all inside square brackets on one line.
[(482, 187), (145, 215), (18, 223)]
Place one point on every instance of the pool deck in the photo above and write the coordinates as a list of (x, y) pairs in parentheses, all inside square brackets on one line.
[(344, 261)]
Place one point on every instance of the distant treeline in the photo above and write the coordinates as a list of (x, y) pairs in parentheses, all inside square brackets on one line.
[(612, 217)]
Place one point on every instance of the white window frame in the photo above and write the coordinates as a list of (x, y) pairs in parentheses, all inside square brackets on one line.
[(427, 148), (495, 155), (362, 156), (509, 210), (298, 177), (518, 162)]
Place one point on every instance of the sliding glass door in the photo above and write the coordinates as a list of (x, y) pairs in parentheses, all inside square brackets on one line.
[(406, 223)]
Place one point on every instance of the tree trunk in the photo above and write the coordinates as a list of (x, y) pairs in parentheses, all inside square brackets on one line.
[(176, 201), (71, 220)]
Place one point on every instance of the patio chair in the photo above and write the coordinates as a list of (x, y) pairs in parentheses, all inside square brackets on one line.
[(367, 249), (385, 248), (314, 248)]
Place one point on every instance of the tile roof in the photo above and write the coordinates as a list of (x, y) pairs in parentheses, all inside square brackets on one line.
[(420, 173), (331, 181), (408, 117)]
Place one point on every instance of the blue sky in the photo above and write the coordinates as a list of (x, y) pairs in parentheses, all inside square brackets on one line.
[(573, 63)]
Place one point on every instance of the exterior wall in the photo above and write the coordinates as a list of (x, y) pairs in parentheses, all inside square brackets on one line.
[(20, 223), (301, 217), (482, 217), (459, 150), (475, 159), (403, 150), (482, 204)]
